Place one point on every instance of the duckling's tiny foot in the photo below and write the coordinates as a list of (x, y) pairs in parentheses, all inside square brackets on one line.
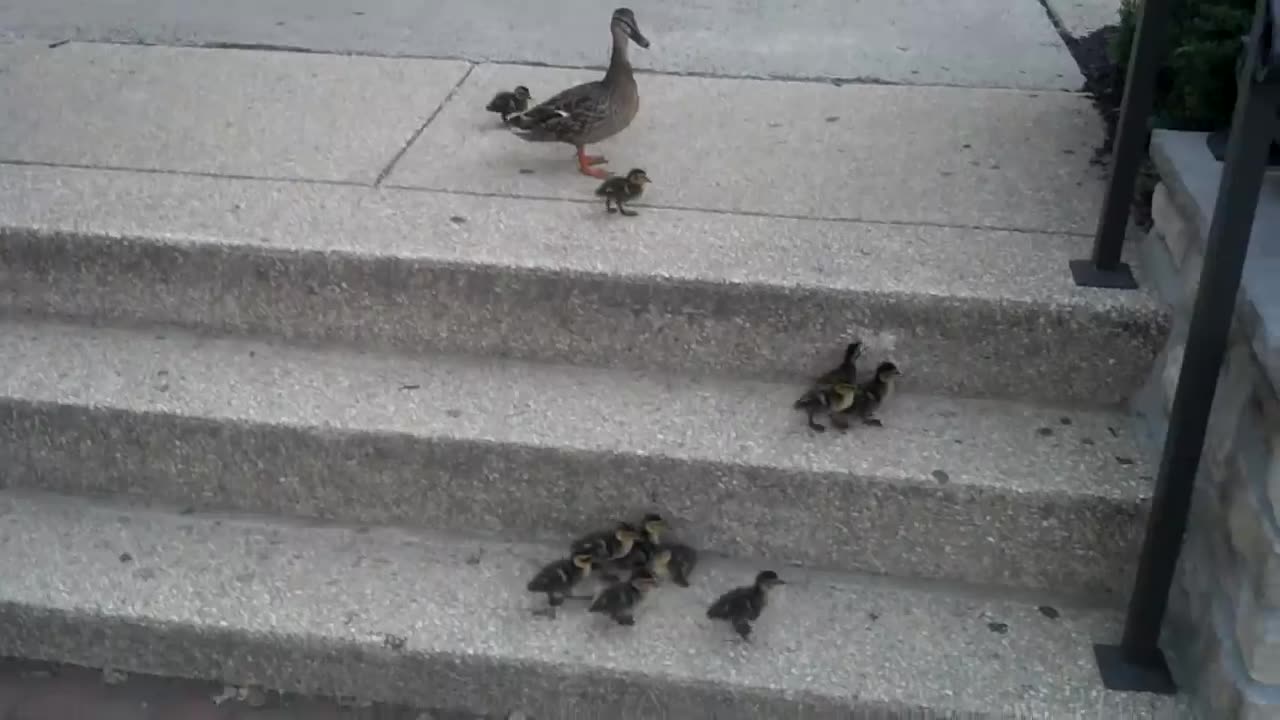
[(547, 613), (817, 428), (628, 213), (872, 422), (627, 621), (612, 210)]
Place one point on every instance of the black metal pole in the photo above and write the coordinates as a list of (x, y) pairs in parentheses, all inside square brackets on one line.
[(1104, 268), (1138, 664)]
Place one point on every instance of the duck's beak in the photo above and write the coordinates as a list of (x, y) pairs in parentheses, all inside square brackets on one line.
[(634, 33)]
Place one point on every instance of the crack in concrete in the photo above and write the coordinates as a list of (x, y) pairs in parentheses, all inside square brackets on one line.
[(423, 128), (541, 198), (837, 81)]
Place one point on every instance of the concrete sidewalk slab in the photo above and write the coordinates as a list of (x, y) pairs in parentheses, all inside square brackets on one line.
[(984, 43), (948, 156), (227, 112), (442, 621), (1081, 17)]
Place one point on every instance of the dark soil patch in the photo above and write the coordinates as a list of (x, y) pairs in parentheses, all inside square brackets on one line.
[(1103, 80), (1104, 83)]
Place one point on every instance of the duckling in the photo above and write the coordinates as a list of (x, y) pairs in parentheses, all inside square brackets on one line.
[(835, 400), (560, 577), (741, 606), (674, 561), (607, 546), (873, 393), (622, 189), (619, 600), (508, 103), (642, 550), (847, 370)]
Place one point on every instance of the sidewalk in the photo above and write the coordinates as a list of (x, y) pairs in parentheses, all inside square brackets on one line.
[(971, 44), (41, 691), (1008, 159)]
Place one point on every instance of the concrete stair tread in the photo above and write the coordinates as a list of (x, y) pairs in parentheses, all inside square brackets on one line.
[(377, 611), (926, 440), (980, 312), (560, 236)]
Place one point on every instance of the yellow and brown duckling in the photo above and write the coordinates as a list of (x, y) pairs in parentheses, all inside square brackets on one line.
[(873, 393), (509, 102), (621, 189), (664, 559), (558, 579), (674, 561), (642, 549), (835, 400), (620, 599), (847, 370), (742, 606), (607, 546)]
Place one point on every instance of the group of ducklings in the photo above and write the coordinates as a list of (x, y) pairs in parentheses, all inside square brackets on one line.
[(839, 394), (639, 552), (616, 189)]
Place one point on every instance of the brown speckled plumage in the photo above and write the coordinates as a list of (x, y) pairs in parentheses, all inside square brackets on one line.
[(588, 113)]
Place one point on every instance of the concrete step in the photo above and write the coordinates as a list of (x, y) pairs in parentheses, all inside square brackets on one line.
[(973, 490), (966, 311), (443, 621)]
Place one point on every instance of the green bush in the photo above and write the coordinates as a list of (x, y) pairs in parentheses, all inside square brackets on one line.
[(1196, 89)]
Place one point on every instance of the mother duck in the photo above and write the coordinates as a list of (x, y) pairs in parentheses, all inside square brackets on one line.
[(588, 113)]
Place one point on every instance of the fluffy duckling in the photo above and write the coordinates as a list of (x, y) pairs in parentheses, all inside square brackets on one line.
[(508, 103), (665, 559), (642, 550), (847, 370), (560, 577), (607, 546), (873, 393), (742, 606), (619, 600), (835, 400), (621, 189), (674, 561)]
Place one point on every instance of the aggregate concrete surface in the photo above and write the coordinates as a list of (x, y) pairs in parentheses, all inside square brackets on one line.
[(982, 43), (1014, 159), (384, 610), (388, 440), (32, 690)]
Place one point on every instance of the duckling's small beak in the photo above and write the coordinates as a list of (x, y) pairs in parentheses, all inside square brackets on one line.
[(635, 35)]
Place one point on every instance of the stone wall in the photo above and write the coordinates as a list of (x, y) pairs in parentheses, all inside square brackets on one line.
[(1222, 636)]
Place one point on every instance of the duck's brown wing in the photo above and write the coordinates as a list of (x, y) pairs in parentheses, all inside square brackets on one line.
[(566, 115)]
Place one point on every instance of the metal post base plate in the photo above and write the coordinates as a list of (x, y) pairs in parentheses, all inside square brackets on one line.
[(1086, 274), (1123, 676)]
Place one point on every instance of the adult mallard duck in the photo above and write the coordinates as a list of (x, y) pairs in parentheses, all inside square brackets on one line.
[(588, 113)]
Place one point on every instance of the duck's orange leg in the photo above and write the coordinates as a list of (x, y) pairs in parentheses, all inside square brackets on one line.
[(587, 163)]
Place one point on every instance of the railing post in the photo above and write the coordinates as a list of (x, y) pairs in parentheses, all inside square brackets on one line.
[(1104, 268), (1137, 664)]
